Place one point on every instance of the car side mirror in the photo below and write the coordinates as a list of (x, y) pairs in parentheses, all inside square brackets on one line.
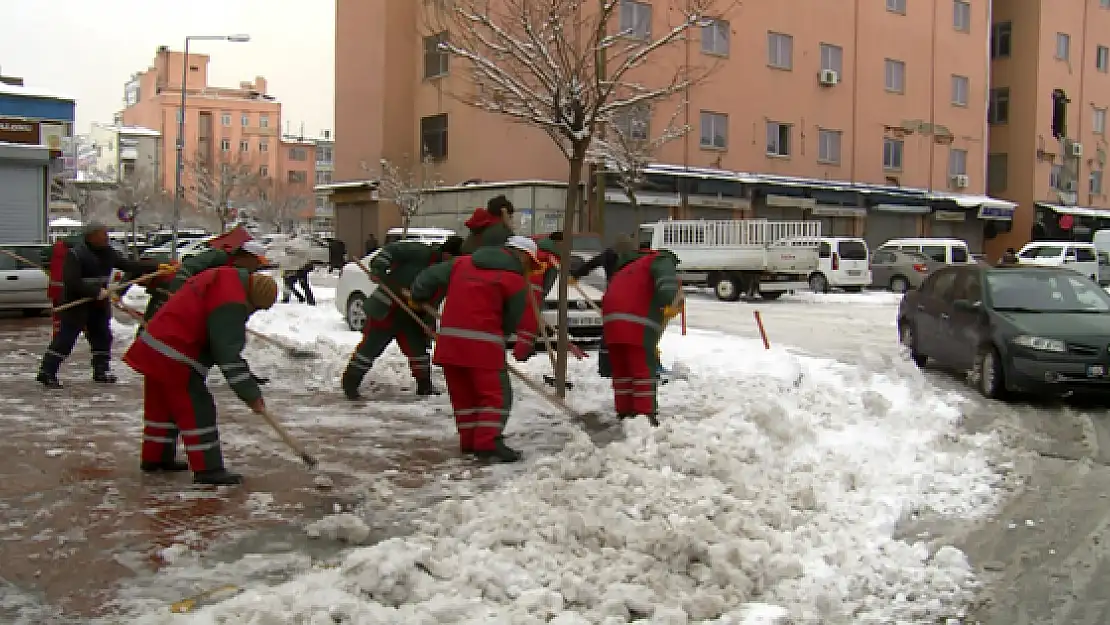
[(966, 305)]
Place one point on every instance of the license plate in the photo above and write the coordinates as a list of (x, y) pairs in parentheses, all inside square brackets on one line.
[(587, 320), (854, 272), (1096, 371)]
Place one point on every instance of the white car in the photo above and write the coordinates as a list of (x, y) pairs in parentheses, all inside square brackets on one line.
[(585, 322), (1079, 257)]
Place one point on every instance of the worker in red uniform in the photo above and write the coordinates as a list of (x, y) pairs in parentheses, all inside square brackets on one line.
[(396, 266), (202, 325), (486, 301), (642, 294), (491, 225)]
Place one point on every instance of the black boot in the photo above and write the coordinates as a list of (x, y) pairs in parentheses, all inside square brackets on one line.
[(173, 466), (653, 419), (626, 415), (500, 453), (424, 387), (49, 380), (259, 380), (217, 477), (104, 377), (350, 383)]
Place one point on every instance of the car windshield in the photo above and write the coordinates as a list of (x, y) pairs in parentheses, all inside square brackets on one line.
[(852, 250), (1045, 292), (1046, 251)]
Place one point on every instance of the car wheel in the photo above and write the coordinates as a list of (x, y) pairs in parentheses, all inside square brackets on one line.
[(991, 379), (727, 289), (899, 284), (356, 312), (907, 335), (818, 283)]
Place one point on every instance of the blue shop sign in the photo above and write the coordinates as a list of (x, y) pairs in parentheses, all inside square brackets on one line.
[(1004, 213)]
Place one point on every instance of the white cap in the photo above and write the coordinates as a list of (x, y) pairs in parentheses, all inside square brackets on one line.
[(523, 244), (253, 247)]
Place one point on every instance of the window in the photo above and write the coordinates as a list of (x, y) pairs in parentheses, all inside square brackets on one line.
[(1098, 121), (1063, 46), (778, 139), (433, 134), (957, 162), (263, 145), (263, 121), (832, 57), (896, 6), (960, 87), (264, 171), (1102, 59), (225, 119), (323, 155), (1055, 177), (1001, 38), (244, 145), (435, 57), (635, 18), (1104, 4), (1085, 255), (634, 123), (323, 177), (297, 177), (780, 51), (245, 120), (961, 16), (1094, 184), (998, 106), (998, 167), (225, 145), (892, 154), (714, 37), (714, 130), (298, 154), (828, 146), (895, 79)]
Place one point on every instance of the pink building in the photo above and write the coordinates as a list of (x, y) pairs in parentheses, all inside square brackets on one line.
[(890, 93), (296, 176)]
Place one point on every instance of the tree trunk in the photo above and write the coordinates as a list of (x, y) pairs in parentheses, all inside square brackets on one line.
[(637, 212), (576, 162)]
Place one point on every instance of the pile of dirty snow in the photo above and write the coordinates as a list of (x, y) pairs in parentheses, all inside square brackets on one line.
[(773, 488)]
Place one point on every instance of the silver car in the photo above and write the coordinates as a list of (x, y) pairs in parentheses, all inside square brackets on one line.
[(23, 284), (900, 271)]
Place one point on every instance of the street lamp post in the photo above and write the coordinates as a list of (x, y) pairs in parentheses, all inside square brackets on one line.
[(178, 191)]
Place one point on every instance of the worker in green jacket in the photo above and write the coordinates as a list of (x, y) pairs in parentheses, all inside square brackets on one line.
[(395, 267), (490, 226), (250, 255)]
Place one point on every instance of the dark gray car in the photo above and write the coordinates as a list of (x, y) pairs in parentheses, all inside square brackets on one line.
[(900, 271)]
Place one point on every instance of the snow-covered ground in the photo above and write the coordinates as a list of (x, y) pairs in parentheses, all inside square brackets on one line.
[(773, 489)]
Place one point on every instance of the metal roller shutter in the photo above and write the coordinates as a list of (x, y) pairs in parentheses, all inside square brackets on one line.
[(882, 226), (621, 219), (22, 203)]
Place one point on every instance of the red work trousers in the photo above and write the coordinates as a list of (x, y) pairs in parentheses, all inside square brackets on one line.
[(633, 368), (481, 400), (188, 410)]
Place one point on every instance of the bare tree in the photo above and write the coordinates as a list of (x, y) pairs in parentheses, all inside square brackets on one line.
[(280, 203), (626, 148), (142, 192), (80, 192), (406, 187), (223, 182), (566, 67)]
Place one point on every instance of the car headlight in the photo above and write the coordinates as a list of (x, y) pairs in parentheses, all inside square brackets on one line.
[(1040, 343)]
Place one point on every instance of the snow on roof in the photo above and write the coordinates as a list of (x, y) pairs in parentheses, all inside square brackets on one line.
[(353, 184), (1078, 211), (135, 131), (29, 92)]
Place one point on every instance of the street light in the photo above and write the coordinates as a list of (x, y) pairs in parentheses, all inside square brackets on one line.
[(180, 165)]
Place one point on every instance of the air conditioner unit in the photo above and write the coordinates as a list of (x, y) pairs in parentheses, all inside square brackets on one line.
[(828, 77), (1069, 186), (961, 181), (1075, 150)]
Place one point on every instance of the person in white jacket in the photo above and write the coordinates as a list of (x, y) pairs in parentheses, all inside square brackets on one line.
[(294, 258)]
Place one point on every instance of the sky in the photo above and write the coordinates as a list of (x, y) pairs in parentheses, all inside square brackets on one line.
[(88, 49)]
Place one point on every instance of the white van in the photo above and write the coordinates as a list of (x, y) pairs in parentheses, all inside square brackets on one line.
[(421, 235), (1079, 257), (842, 263), (947, 251)]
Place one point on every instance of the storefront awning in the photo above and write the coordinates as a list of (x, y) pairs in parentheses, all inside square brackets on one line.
[(833, 210), (644, 198), (907, 209), (1078, 211), (774, 199)]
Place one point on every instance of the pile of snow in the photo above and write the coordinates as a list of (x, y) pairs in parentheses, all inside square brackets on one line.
[(774, 488), (345, 527)]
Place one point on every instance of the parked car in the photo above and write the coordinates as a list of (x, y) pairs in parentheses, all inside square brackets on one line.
[(842, 263), (354, 287), (947, 251), (159, 238), (1079, 257), (583, 247), (318, 251), (900, 271), (23, 285), (1103, 268), (1015, 327), (185, 249), (422, 235)]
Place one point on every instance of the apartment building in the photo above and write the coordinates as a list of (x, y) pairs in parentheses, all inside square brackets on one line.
[(325, 174), (229, 127), (1050, 92), (293, 186), (125, 151), (870, 116)]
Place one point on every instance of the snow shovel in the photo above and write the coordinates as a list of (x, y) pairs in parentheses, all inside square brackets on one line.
[(266, 416), (541, 326), (113, 289)]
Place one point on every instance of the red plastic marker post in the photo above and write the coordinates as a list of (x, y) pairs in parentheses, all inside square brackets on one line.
[(762, 331), (683, 317)]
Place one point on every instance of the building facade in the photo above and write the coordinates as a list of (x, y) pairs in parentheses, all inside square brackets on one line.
[(325, 174), (293, 186), (230, 129), (887, 95), (122, 152), (1048, 105), (35, 127)]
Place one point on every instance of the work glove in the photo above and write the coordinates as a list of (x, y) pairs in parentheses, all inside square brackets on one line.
[(571, 280), (670, 312), (523, 350), (103, 294), (258, 406)]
